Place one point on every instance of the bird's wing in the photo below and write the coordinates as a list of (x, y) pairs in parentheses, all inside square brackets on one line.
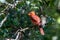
[(35, 18)]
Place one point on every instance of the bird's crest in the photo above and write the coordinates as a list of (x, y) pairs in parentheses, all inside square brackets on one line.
[(31, 13)]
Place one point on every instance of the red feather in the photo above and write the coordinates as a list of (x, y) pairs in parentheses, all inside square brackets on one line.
[(36, 20)]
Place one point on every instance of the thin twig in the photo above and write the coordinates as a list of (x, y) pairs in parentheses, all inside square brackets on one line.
[(2, 22), (19, 33), (4, 9), (1, 14), (21, 30), (18, 36), (24, 29)]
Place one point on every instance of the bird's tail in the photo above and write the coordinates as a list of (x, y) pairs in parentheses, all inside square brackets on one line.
[(41, 30)]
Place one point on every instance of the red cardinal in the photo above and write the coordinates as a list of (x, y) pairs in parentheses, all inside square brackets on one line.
[(36, 20)]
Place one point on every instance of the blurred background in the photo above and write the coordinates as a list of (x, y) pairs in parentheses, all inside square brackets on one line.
[(14, 16)]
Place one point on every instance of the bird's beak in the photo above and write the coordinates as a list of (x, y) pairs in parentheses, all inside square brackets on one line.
[(31, 13)]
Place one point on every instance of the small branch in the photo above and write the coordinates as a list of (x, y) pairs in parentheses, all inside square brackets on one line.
[(1, 14), (12, 5), (19, 35), (21, 30), (4, 9), (24, 29), (9, 5), (2, 22)]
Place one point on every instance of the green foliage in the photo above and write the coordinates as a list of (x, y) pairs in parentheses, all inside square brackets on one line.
[(19, 18)]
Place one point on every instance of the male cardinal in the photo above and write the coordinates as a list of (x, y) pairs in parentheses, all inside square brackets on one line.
[(37, 21)]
